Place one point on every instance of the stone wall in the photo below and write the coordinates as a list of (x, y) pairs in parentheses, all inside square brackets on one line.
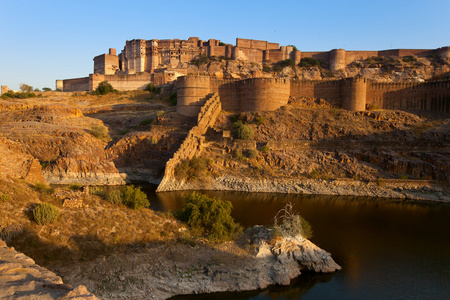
[(122, 82), (73, 85), (268, 94), (192, 145)]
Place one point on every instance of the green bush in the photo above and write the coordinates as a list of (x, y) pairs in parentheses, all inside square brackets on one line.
[(279, 66), (115, 197), (46, 89), (130, 195), (150, 87), (308, 62), (243, 132), (252, 153), (45, 213), (18, 95), (210, 217), (265, 149), (134, 198), (238, 155), (104, 88)]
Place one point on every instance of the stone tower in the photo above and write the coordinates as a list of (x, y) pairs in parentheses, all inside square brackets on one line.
[(154, 55), (337, 59)]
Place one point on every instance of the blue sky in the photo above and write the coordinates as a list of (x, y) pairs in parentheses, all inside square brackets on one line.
[(41, 41)]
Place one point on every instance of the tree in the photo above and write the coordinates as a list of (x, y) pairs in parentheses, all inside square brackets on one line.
[(25, 87), (210, 217), (46, 89)]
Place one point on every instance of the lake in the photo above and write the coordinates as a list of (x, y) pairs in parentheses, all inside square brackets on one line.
[(388, 248)]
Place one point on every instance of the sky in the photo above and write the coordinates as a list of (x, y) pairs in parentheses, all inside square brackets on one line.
[(42, 41)]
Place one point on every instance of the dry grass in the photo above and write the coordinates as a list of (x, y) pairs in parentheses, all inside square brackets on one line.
[(80, 234)]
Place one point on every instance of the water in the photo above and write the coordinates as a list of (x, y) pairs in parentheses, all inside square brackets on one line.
[(388, 249)]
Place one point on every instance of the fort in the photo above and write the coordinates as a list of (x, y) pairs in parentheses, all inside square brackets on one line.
[(267, 94), (165, 62)]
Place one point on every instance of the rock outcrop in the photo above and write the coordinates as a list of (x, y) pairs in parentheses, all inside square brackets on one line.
[(161, 271), (21, 278), (17, 164)]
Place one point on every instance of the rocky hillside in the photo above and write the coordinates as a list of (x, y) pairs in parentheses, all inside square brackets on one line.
[(377, 68), (297, 141), (84, 139)]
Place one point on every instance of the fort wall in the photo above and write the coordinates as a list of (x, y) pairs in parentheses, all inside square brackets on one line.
[(192, 145), (73, 85), (263, 94), (123, 82), (268, 94)]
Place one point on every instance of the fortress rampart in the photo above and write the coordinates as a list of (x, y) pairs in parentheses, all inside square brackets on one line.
[(268, 94)]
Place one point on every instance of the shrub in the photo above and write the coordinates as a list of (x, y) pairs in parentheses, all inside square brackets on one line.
[(265, 149), (150, 87), (243, 132), (42, 188), (134, 198), (193, 169), (98, 191), (146, 121), (75, 186), (289, 224), (279, 66), (115, 197), (308, 62), (210, 217), (260, 120), (46, 89), (238, 154), (266, 68), (19, 95), (173, 99), (104, 88), (45, 213), (252, 153)]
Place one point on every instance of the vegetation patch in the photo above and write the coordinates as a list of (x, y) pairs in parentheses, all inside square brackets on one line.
[(308, 62), (210, 217), (243, 132), (290, 224), (45, 213), (192, 169), (104, 88)]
